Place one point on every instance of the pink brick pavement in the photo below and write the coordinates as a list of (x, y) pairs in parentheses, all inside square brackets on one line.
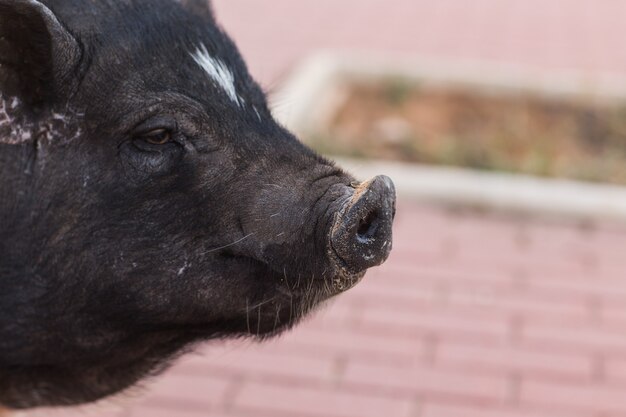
[(473, 315), (545, 34)]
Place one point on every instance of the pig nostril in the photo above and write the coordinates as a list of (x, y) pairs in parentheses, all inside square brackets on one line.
[(361, 233), (368, 226)]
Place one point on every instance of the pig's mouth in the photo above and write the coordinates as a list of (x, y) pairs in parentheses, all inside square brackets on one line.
[(287, 299), (359, 238)]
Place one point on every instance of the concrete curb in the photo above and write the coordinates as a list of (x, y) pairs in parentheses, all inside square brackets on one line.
[(503, 192), (314, 91), (314, 88)]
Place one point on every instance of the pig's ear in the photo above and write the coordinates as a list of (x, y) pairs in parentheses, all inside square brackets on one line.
[(37, 54), (198, 7)]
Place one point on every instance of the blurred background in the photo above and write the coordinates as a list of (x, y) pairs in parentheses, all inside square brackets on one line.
[(480, 311)]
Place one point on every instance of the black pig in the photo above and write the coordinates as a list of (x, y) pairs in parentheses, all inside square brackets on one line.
[(148, 200)]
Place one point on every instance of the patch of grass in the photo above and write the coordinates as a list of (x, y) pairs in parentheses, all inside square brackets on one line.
[(398, 90)]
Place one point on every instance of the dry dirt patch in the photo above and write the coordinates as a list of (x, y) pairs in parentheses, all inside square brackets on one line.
[(571, 138)]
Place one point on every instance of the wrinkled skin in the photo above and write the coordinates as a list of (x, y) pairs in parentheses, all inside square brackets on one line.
[(117, 252)]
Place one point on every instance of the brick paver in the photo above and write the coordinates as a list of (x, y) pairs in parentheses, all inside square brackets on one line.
[(474, 315)]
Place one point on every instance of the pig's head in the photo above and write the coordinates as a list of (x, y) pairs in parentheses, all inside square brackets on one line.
[(149, 199)]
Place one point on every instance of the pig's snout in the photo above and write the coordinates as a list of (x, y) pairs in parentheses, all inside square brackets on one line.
[(361, 234)]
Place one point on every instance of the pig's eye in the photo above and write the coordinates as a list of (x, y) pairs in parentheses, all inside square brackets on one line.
[(157, 136)]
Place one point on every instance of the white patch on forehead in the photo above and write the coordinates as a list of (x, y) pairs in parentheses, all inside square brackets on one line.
[(258, 115), (218, 71)]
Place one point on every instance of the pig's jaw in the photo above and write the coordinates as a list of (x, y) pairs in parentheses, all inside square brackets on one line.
[(291, 300)]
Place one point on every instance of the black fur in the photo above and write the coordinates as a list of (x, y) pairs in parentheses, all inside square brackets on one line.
[(117, 253)]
